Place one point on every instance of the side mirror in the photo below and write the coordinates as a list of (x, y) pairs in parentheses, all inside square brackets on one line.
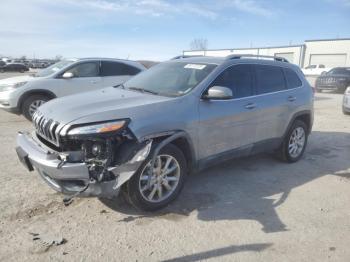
[(67, 75), (218, 92)]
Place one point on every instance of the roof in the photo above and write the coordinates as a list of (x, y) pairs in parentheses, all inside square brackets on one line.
[(331, 39)]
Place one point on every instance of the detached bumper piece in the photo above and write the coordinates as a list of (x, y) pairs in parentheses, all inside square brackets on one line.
[(73, 178)]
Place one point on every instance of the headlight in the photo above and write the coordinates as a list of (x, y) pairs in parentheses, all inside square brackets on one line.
[(347, 91), (98, 128), (9, 87)]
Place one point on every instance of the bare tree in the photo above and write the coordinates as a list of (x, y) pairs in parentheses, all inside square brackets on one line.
[(58, 57), (199, 44)]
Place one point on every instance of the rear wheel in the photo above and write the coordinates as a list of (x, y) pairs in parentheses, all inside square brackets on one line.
[(294, 143), (31, 104), (151, 190)]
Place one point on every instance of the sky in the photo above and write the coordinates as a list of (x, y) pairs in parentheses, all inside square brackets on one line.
[(161, 29)]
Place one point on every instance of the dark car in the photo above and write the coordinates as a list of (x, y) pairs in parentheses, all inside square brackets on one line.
[(14, 68), (337, 79)]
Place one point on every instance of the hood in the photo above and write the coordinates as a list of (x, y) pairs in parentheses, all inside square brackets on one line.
[(104, 104), (16, 79)]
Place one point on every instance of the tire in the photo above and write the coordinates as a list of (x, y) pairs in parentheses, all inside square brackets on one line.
[(285, 152), (133, 192), (28, 104), (345, 112)]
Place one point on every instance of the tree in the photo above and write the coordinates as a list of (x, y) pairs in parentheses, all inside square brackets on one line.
[(199, 44), (58, 57)]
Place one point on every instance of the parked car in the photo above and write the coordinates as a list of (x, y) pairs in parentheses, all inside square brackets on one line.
[(25, 94), (337, 79), (14, 67), (346, 102), (318, 69), (146, 135)]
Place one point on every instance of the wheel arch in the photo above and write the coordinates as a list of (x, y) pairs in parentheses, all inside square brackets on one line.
[(29, 93), (178, 138), (305, 116)]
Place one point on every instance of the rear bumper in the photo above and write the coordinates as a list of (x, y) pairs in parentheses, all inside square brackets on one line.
[(70, 178)]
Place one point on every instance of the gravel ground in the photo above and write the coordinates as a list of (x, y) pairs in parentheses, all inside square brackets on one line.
[(252, 209)]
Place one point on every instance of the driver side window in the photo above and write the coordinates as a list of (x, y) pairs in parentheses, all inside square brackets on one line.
[(238, 78), (88, 69)]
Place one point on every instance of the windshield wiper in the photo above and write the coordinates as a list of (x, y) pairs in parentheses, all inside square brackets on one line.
[(144, 90)]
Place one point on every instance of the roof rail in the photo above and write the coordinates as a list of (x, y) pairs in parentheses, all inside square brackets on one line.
[(239, 56), (185, 56)]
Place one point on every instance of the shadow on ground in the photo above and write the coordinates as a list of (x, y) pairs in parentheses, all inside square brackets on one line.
[(220, 252), (252, 188)]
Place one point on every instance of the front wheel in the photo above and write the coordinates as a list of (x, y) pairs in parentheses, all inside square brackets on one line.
[(31, 104), (294, 143), (149, 189)]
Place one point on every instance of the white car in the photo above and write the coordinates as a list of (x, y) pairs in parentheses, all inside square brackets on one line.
[(24, 94), (315, 69), (346, 102)]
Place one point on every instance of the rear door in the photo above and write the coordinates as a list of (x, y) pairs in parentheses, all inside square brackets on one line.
[(86, 77), (115, 73), (274, 103), (226, 125)]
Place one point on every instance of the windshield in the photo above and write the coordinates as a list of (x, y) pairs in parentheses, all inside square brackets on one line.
[(170, 79), (54, 68), (339, 71)]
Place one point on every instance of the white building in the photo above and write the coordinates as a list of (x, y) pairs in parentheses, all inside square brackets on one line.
[(329, 52)]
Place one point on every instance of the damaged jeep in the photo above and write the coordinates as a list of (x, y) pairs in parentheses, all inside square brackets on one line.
[(145, 136)]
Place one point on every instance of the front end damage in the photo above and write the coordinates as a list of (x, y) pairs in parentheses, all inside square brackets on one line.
[(92, 165)]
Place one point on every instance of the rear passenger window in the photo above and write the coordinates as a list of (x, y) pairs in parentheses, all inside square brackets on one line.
[(293, 80), (109, 68), (269, 79), (238, 78)]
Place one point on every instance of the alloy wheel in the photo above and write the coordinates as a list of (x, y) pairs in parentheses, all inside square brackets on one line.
[(158, 185), (35, 105), (296, 142)]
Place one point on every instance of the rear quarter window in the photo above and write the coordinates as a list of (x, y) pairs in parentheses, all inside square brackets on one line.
[(293, 80), (269, 79)]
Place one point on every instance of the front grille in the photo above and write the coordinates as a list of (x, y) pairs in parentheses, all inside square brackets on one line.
[(48, 129), (328, 80)]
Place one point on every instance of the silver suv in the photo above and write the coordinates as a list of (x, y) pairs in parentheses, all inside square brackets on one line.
[(183, 115), (24, 94)]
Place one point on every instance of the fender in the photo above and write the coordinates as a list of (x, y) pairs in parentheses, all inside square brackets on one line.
[(169, 137)]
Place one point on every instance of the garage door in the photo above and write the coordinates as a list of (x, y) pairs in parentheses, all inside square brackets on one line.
[(329, 60), (289, 56)]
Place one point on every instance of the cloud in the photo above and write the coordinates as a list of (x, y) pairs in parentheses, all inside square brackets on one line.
[(209, 9)]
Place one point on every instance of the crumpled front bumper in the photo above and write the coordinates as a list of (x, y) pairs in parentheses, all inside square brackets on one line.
[(70, 178)]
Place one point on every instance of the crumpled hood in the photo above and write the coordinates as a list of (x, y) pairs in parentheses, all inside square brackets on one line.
[(105, 104), (16, 79)]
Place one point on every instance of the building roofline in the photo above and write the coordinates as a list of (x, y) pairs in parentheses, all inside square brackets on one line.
[(330, 39)]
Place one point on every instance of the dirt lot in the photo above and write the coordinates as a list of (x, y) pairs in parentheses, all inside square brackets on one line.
[(252, 209)]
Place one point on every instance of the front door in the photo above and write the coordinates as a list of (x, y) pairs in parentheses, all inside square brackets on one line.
[(226, 125), (86, 77)]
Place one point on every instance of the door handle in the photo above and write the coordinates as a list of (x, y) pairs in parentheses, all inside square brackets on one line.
[(291, 98), (93, 81), (250, 106)]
